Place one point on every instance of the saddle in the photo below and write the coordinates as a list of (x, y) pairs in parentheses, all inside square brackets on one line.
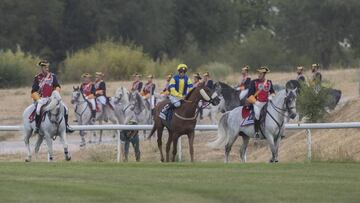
[(248, 115), (166, 112), (42, 112)]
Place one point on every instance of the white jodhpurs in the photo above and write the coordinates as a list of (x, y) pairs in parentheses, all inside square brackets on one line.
[(257, 108), (175, 101), (93, 104), (102, 100), (41, 103)]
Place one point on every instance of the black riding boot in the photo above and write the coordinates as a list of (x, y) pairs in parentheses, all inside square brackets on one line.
[(37, 123), (93, 114), (257, 127), (68, 128)]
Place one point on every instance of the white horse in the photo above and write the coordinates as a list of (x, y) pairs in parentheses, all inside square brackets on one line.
[(83, 114), (230, 125), (142, 111), (121, 103), (52, 125)]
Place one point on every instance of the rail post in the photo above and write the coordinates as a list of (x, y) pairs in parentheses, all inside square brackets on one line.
[(308, 138)]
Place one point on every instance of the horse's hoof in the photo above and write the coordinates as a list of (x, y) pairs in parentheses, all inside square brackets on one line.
[(68, 158), (27, 160)]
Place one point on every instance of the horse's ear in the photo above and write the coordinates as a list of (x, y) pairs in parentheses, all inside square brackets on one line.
[(74, 88)]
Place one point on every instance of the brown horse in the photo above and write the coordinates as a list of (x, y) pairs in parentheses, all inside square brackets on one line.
[(183, 120)]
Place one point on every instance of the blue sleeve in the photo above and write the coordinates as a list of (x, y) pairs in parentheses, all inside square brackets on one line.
[(55, 82), (35, 86)]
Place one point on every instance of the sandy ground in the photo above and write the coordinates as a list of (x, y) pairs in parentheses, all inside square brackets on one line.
[(327, 144)]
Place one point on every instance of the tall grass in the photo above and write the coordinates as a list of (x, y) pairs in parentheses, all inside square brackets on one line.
[(116, 60), (17, 68)]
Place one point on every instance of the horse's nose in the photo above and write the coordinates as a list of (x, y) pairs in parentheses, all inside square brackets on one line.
[(293, 115)]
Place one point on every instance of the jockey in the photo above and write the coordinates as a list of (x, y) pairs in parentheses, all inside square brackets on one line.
[(246, 79), (208, 81), (260, 92), (43, 86), (165, 92), (179, 86), (197, 79), (148, 91), (316, 76), (100, 88), (137, 84), (89, 91), (300, 74)]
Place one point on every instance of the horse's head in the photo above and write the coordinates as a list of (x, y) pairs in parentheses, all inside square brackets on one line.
[(206, 94), (75, 95), (217, 88), (55, 101), (119, 95), (290, 102), (136, 102)]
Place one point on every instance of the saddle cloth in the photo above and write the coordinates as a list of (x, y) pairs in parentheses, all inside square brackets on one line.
[(248, 115), (42, 112)]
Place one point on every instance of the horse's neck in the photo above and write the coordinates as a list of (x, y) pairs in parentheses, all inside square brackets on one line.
[(190, 106), (278, 102)]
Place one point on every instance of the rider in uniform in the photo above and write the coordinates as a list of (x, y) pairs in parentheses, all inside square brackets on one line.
[(137, 84), (246, 79), (179, 86), (100, 88), (316, 76), (197, 79), (208, 82), (148, 92), (300, 74), (89, 91), (260, 92), (43, 86), (165, 92)]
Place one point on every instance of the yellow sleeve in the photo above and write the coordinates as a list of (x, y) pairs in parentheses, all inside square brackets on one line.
[(173, 91), (190, 85)]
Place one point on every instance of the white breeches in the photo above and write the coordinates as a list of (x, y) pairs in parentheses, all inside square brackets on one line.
[(41, 103), (93, 104), (102, 100), (257, 108), (175, 101)]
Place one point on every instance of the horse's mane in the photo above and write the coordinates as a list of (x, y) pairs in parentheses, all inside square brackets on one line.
[(190, 93)]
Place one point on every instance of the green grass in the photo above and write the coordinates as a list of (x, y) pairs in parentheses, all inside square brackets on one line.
[(183, 182)]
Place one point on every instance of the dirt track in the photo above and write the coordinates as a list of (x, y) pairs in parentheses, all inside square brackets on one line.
[(328, 144)]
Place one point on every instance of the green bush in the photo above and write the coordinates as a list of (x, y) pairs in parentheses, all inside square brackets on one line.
[(116, 60), (17, 68), (217, 70), (312, 102)]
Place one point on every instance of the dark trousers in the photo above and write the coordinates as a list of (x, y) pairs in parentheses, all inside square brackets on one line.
[(134, 140)]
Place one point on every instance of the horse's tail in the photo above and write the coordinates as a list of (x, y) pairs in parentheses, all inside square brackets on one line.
[(222, 136), (152, 132)]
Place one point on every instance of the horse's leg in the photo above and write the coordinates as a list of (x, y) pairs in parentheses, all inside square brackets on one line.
[(228, 146), (168, 145), (27, 144), (243, 148), (270, 140), (175, 141), (277, 145), (38, 145), (191, 136), (63, 140), (49, 144), (83, 141), (159, 141), (113, 120)]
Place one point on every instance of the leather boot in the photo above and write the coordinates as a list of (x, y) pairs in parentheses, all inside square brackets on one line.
[(68, 128), (37, 123), (93, 115), (257, 127)]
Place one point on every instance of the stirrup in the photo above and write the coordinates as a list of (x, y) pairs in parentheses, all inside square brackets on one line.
[(257, 136), (36, 130)]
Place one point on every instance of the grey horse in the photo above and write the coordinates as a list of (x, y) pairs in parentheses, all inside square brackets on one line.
[(281, 106), (51, 126), (83, 114)]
